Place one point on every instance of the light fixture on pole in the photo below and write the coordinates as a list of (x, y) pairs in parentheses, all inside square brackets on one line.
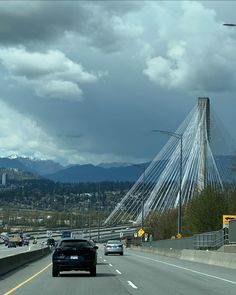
[(229, 25), (143, 168), (180, 137)]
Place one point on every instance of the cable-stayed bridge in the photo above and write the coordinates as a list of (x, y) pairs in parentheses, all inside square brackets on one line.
[(185, 166)]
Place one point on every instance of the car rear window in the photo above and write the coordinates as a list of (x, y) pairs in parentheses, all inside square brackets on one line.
[(74, 244), (114, 242)]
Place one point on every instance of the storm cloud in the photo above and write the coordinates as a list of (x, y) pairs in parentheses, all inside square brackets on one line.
[(89, 80), (50, 74)]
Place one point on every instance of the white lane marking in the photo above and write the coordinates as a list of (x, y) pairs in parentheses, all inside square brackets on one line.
[(132, 285), (104, 260), (187, 269), (118, 271), (110, 264), (100, 257)]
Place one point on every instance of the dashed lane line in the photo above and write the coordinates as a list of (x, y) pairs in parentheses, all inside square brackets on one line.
[(118, 272), (132, 285), (110, 264)]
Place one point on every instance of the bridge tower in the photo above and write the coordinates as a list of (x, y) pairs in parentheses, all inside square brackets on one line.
[(203, 140)]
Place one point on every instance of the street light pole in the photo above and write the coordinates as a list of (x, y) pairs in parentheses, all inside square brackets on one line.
[(142, 215), (180, 186), (89, 218), (229, 25), (180, 137), (99, 211), (142, 198)]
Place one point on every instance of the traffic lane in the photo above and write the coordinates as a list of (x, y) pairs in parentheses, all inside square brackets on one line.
[(133, 273), (166, 275), (211, 270), (106, 282), (17, 276)]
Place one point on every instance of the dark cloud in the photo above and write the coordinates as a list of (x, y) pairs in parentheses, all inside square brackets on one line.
[(24, 22), (158, 56)]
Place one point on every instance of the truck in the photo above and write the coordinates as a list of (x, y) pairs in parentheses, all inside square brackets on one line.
[(15, 240)]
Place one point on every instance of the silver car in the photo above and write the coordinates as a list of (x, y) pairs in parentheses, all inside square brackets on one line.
[(113, 247)]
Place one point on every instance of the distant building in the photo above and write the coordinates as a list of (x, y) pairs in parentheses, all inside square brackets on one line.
[(4, 179)]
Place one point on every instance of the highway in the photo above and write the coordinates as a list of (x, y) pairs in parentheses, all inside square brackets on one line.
[(134, 273), (4, 251), (105, 234)]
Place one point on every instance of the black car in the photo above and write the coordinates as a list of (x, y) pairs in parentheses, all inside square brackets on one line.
[(11, 244), (25, 242), (74, 254), (51, 242)]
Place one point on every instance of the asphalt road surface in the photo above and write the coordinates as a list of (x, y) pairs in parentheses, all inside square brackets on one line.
[(134, 273)]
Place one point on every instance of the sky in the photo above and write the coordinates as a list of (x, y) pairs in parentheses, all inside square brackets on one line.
[(87, 81)]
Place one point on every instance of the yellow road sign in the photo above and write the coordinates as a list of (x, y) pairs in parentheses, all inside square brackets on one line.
[(178, 236), (141, 232), (226, 219)]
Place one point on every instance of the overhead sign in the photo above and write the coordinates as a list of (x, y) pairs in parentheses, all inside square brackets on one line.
[(226, 219), (141, 232)]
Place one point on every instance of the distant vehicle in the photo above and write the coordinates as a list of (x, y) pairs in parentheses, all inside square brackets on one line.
[(49, 233), (16, 240), (74, 254), (35, 241), (26, 236), (26, 242), (66, 234), (113, 247), (5, 237), (4, 234), (51, 242), (11, 244)]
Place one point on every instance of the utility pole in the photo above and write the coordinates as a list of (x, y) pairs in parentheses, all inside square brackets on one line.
[(99, 212)]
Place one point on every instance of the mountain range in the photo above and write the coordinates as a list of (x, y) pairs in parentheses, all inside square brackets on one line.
[(91, 173), (76, 173)]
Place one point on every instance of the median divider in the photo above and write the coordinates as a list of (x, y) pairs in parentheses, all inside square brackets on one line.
[(12, 262), (202, 256)]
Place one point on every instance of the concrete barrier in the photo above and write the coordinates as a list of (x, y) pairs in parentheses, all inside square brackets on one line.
[(12, 262), (210, 257), (161, 251), (207, 257)]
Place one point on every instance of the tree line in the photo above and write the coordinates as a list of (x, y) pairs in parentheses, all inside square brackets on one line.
[(203, 213)]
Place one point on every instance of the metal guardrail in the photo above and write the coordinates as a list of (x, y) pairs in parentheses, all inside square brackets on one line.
[(210, 240)]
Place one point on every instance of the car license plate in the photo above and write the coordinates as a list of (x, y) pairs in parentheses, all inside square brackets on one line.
[(74, 257)]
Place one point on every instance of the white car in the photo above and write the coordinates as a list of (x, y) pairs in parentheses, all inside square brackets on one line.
[(113, 247)]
